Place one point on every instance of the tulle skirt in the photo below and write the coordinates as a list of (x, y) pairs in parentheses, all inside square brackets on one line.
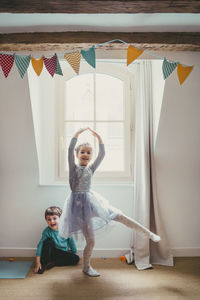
[(83, 209)]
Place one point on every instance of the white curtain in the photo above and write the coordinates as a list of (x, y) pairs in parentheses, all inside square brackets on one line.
[(146, 202)]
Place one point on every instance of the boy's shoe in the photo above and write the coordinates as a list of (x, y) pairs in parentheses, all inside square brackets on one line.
[(50, 265), (41, 270)]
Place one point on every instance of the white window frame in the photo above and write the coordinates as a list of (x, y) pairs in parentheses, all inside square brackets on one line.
[(60, 148)]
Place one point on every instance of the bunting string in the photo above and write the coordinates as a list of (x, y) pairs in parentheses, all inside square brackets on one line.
[(53, 67)]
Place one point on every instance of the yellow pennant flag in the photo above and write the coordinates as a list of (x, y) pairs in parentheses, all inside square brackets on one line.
[(132, 54), (37, 65), (183, 72), (74, 60)]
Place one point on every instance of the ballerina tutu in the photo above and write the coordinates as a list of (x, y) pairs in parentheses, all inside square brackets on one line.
[(85, 208)]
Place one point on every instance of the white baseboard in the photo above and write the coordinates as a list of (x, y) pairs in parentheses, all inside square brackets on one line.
[(185, 252), (17, 252), (106, 253), (101, 253)]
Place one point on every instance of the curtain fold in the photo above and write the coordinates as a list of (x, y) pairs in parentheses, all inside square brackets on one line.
[(146, 202)]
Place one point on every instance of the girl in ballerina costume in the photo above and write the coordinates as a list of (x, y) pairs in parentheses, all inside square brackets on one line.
[(85, 210)]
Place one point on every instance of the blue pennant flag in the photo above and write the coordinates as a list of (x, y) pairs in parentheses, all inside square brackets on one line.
[(89, 56), (168, 67), (22, 63), (58, 67)]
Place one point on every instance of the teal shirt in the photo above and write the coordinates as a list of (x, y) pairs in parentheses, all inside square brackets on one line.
[(60, 242)]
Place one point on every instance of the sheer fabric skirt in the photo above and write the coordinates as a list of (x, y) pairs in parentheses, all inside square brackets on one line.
[(85, 209)]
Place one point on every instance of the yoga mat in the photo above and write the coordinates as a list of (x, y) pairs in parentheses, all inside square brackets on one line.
[(14, 269)]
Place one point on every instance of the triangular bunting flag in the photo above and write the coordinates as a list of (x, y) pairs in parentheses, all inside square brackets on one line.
[(89, 56), (58, 67), (133, 54), (6, 63), (183, 72), (22, 63), (74, 59), (168, 67), (50, 64), (37, 65)]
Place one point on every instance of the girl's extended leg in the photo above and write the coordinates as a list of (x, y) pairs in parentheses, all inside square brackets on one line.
[(137, 226), (90, 241)]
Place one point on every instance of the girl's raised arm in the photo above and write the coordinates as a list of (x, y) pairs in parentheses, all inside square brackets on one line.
[(79, 132), (101, 153), (73, 142)]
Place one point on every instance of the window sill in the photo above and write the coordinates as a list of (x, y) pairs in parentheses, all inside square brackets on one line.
[(62, 184)]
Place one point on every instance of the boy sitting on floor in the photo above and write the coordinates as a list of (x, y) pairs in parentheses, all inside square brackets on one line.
[(53, 250)]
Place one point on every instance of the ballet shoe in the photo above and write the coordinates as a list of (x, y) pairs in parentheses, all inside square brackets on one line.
[(154, 237), (91, 272)]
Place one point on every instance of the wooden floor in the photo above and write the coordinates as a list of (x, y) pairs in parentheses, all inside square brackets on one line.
[(117, 281)]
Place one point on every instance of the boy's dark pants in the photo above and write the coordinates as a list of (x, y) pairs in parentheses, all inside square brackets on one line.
[(59, 257)]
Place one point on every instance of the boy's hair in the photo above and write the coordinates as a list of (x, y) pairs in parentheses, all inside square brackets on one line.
[(53, 210), (77, 149)]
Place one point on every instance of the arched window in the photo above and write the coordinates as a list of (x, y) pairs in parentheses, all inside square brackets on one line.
[(101, 99)]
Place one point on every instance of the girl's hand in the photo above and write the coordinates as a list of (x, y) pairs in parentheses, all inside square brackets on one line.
[(80, 131), (96, 135)]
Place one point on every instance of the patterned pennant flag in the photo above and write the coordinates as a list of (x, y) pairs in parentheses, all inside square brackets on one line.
[(89, 56), (22, 63), (74, 59), (58, 67), (6, 63), (133, 54), (168, 67), (183, 72), (50, 64), (37, 65)]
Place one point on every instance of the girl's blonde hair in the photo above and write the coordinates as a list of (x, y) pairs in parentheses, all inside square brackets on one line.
[(77, 149)]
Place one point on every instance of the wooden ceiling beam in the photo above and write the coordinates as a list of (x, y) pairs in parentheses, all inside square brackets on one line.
[(71, 41), (97, 6)]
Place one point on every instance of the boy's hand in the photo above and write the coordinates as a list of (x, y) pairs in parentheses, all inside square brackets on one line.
[(37, 264), (37, 267)]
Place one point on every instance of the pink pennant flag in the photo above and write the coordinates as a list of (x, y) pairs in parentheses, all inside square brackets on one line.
[(50, 64), (6, 63)]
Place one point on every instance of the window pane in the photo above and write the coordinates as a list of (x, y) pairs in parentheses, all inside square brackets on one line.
[(79, 95), (109, 98), (112, 135), (84, 137)]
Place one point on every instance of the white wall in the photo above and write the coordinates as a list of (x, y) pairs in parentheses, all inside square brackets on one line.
[(23, 201)]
